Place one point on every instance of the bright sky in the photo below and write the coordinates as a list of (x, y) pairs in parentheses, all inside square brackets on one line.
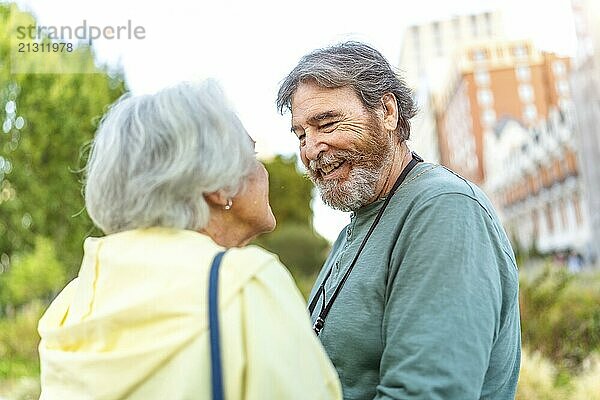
[(250, 46)]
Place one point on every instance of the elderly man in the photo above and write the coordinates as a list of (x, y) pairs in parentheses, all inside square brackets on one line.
[(418, 298)]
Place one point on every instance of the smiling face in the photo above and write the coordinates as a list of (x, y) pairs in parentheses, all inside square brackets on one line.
[(343, 145)]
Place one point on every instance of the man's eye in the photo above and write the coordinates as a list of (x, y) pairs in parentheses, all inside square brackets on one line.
[(328, 125)]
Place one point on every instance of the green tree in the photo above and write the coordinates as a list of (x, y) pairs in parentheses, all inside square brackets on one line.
[(47, 119), (294, 240), (290, 191), (34, 275)]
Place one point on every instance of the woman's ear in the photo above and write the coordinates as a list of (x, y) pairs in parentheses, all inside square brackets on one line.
[(217, 199), (390, 112)]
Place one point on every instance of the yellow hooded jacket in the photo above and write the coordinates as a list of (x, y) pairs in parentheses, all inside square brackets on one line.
[(134, 325)]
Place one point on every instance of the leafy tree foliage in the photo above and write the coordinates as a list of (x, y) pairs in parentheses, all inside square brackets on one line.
[(561, 314), (35, 275), (290, 192), (46, 121), (301, 249)]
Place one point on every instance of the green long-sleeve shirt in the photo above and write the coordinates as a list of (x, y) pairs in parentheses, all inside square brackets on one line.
[(430, 311)]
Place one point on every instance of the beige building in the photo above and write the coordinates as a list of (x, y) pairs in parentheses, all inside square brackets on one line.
[(493, 80), (429, 50), (423, 137), (427, 61), (585, 82), (535, 183)]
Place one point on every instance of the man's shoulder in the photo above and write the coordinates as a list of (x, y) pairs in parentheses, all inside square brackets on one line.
[(432, 183), (431, 180)]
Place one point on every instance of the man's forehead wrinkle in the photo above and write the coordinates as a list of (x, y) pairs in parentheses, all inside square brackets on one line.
[(312, 104), (319, 116), (326, 115)]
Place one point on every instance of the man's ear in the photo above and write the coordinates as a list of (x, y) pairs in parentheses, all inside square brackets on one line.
[(217, 199), (390, 112)]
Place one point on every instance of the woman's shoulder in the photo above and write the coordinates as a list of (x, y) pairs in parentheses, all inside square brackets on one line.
[(262, 280), (255, 263), (253, 254), (169, 253)]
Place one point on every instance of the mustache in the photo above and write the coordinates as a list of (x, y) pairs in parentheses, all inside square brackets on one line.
[(324, 160)]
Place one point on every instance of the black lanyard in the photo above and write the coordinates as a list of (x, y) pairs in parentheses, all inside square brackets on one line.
[(320, 321)]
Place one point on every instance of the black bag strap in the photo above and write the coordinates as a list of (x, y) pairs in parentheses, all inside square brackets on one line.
[(213, 325), (320, 321)]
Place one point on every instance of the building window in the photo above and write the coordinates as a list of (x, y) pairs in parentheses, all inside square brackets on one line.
[(549, 221), (564, 104), (530, 113), (482, 78), (564, 165), (416, 45), (437, 38), (500, 52), (526, 93), (488, 118), (562, 87), (523, 73), (559, 68), (479, 55), (488, 23), (519, 51), (456, 23), (484, 97), (474, 30), (415, 36), (563, 214), (577, 207)]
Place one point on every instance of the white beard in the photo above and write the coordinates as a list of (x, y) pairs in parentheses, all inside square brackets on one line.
[(352, 194), (357, 190)]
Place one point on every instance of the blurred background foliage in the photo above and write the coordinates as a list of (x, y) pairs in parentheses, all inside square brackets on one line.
[(46, 122), (560, 320)]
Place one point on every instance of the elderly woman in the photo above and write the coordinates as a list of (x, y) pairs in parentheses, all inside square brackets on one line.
[(173, 180)]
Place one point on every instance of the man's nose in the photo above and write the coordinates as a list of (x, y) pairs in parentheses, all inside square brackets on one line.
[(314, 146)]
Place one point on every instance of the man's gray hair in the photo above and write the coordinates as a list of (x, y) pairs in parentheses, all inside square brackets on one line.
[(358, 66), (155, 156)]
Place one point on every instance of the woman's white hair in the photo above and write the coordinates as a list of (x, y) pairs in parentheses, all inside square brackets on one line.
[(155, 156)]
